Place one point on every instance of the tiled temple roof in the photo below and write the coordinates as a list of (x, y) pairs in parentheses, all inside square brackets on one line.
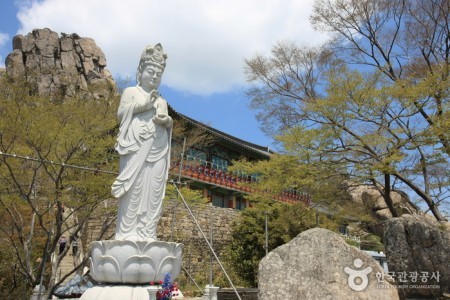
[(260, 151)]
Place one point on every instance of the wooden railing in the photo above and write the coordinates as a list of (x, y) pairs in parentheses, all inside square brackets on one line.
[(240, 182)]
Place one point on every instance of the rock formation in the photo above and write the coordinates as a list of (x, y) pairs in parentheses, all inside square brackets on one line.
[(60, 66), (318, 264), (371, 197), (417, 244)]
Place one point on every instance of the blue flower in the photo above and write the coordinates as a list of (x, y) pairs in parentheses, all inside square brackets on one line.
[(168, 288)]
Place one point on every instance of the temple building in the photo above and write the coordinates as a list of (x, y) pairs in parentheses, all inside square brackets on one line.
[(205, 167)]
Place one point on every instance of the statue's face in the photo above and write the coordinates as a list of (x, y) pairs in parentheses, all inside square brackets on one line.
[(151, 77)]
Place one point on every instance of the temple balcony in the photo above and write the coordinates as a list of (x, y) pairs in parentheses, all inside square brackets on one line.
[(207, 173)]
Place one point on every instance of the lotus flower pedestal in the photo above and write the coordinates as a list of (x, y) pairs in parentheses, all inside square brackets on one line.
[(124, 269)]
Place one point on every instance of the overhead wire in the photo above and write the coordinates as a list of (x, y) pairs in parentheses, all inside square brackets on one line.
[(97, 170)]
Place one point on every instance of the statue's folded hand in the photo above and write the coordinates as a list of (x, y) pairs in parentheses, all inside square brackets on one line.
[(163, 119)]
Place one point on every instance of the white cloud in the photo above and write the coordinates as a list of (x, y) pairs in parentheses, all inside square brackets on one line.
[(206, 41), (4, 37)]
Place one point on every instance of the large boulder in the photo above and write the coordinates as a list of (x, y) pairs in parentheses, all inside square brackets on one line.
[(60, 66), (420, 248), (318, 264)]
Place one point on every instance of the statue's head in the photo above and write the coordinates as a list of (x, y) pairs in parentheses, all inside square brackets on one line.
[(152, 55)]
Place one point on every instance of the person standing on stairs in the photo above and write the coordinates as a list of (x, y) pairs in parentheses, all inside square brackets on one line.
[(62, 244), (74, 246)]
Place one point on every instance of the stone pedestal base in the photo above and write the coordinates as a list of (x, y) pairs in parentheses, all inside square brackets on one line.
[(122, 292), (134, 263), (124, 268), (117, 292)]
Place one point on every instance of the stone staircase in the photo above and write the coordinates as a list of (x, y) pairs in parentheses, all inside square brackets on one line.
[(66, 265), (69, 261)]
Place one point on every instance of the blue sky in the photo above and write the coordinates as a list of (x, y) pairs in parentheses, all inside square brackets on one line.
[(206, 42)]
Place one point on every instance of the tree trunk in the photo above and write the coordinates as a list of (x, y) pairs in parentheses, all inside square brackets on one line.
[(387, 195)]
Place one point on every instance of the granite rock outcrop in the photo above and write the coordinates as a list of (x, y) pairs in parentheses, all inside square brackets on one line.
[(60, 66), (371, 197)]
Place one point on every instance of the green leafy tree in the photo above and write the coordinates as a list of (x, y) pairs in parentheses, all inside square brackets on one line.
[(330, 209), (50, 153), (316, 181), (247, 246)]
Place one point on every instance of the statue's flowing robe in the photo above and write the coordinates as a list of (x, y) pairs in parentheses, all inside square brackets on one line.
[(144, 149)]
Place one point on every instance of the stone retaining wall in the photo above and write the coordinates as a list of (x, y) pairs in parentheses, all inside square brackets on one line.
[(177, 225), (196, 256)]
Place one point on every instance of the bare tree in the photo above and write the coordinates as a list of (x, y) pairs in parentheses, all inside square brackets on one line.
[(372, 103), (404, 39)]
